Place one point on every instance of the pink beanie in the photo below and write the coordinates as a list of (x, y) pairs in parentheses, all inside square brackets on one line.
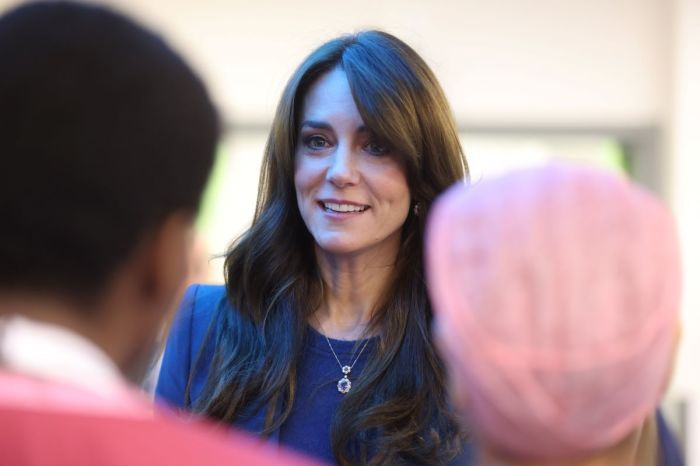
[(557, 293)]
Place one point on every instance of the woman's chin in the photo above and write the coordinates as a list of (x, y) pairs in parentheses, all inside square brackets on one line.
[(338, 247), (354, 244)]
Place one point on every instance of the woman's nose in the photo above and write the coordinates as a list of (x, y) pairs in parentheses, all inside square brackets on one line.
[(343, 167)]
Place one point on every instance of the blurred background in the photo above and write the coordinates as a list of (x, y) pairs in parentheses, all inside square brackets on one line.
[(615, 83)]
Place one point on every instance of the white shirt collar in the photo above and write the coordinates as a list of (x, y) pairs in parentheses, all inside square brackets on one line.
[(55, 353)]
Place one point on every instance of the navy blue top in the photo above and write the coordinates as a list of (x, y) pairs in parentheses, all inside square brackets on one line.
[(307, 429), (669, 453)]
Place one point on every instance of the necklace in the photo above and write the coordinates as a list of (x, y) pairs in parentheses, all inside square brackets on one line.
[(344, 384)]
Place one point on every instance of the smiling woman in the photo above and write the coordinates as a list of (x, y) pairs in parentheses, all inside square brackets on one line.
[(351, 190), (321, 338)]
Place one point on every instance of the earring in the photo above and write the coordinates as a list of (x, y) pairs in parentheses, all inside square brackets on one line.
[(416, 208)]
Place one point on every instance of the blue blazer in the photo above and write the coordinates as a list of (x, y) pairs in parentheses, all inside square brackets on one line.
[(191, 327), (187, 334)]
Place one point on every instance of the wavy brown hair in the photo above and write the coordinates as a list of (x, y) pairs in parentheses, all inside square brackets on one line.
[(398, 410)]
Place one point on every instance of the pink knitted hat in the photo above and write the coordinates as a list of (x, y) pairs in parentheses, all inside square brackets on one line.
[(557, 292)]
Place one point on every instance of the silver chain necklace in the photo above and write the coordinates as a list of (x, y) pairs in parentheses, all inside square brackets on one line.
[(344, 384)]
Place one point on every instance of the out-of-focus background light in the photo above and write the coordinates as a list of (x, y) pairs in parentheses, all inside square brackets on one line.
[(614, 83)]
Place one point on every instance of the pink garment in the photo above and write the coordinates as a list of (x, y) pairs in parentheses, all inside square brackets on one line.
[(43, 423), (24, 392), (557, 292)]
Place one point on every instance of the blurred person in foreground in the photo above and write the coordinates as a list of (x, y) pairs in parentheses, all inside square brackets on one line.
[(107, 138), (556, 292)]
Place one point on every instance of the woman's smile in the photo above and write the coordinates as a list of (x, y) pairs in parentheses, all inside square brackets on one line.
[(342, 210)]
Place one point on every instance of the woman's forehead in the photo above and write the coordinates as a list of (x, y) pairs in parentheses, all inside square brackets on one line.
[(329, 100)]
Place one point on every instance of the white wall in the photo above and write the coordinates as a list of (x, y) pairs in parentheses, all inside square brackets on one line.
[(535, 62)]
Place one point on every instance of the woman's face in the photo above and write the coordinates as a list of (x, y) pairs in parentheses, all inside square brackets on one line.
[(351, 190)]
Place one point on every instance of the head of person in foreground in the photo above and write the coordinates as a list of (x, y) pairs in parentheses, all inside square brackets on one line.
[(107, 138), (556, 292)]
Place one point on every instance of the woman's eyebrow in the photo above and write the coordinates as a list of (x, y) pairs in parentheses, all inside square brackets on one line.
[(316, 124)]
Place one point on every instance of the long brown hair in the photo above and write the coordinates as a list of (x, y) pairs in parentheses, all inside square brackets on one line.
[(274, 286)]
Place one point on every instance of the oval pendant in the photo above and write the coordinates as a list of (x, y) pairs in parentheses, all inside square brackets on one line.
[(344, 385)]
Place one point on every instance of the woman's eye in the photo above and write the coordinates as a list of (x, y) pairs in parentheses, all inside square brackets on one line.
[(376, 148), (316, 142)]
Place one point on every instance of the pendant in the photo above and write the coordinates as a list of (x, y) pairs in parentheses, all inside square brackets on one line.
[(344, 384)]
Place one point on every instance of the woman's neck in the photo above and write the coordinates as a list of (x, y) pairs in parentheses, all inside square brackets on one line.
[(353, 285)]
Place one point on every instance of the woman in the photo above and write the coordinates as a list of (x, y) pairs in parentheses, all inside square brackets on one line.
[(321, 338)]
